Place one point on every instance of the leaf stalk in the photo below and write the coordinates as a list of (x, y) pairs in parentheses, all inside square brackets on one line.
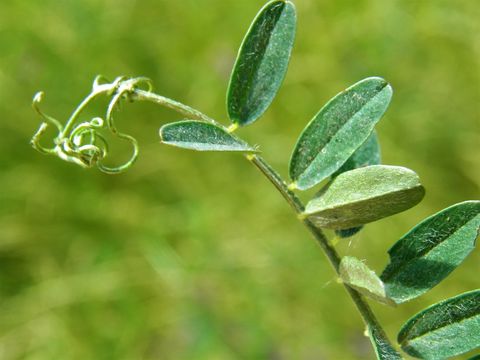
[(291, 198)]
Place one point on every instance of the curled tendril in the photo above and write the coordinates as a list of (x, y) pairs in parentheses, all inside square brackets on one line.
[(82, 142)]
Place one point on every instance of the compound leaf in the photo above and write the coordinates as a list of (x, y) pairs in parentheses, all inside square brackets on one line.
[(446, 329), (201, 136), (339, 129), (359, 276), (431, 250), (364, 195), (262, 62), (383, 349)]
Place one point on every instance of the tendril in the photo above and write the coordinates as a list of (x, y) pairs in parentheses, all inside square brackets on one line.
[(82, 143)]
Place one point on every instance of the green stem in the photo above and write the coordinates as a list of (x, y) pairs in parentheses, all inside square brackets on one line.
[(183, 109), (332, 255), (297, 205), (277, 181)]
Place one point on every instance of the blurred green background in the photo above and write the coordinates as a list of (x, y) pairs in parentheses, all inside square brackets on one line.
[(196, 256)]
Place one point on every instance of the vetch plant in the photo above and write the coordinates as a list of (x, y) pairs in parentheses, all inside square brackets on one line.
[(337, 151)]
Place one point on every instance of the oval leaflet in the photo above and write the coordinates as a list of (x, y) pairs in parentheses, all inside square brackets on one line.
[(202, 136), (446, 329), (431, 250), (262, 62), (339, 129), (364, 195), (360, 277)]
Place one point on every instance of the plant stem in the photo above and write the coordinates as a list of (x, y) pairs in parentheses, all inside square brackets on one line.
[(332, 255), (277, 181), (183, 109), (292, 199)]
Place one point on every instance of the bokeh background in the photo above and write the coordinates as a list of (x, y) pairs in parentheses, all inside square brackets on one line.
[(195, 255)]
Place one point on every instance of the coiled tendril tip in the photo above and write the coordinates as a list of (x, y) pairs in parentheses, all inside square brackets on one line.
[(82, 143)]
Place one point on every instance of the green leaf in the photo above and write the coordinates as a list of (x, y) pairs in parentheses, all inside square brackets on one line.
[(364, 195), (339, 129), (446, 329), (359, 276), (431, 250), (366, 155), (201, 136), (262, 62), (346, 233), (475, 357), (383, 349)]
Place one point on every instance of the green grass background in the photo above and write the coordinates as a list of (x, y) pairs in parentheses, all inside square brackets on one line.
[(194, 255)]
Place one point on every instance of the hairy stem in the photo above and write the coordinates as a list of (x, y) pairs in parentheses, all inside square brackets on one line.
[(332, 255), (297, 205), (183, 109), (277, 181)]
